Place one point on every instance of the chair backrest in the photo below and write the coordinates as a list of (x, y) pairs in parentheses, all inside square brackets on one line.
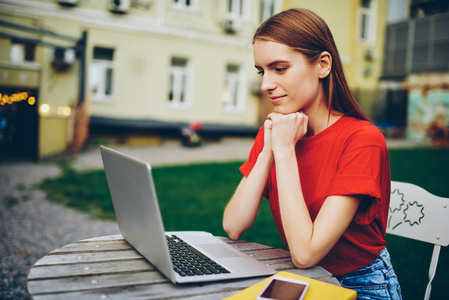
[(417, 214)]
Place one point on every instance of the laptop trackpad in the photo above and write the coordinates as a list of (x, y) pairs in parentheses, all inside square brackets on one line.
[(218, 250)]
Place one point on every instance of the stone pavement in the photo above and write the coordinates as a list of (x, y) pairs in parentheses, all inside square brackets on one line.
[(30, 226)]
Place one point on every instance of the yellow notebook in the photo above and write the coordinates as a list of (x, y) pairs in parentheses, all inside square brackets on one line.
[(317, 289)]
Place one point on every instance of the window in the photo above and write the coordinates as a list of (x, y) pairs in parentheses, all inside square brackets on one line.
[(232, 98), (179, 82), (397, 11), (367, 15), (22, 52), (238, 14), (238, 9), (101, 74), (187, 5), (421, 9), (266, 9), (416, 46)]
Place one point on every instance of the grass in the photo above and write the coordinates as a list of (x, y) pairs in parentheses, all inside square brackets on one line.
[(193, 197)]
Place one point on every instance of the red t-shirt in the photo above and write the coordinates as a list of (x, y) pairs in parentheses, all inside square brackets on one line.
[(348, 158)]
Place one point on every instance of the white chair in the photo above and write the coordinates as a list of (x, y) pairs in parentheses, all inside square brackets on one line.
[(417, 214)]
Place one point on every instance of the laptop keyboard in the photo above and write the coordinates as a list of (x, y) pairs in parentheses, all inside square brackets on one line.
[(188, 261)]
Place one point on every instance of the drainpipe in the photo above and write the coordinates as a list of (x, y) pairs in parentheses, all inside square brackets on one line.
[(81, 45)]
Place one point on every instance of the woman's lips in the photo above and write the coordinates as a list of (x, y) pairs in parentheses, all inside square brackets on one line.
[(276, 99)]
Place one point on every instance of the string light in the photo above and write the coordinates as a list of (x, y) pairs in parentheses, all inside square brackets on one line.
[(16, 97), (44, 109)]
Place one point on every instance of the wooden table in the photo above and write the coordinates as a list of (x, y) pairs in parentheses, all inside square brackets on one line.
[(109, 268)]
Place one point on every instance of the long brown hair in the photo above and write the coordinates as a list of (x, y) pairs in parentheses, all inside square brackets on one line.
[(307, 33)]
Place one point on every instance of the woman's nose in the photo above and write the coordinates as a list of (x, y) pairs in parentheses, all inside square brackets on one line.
[(267, 83)]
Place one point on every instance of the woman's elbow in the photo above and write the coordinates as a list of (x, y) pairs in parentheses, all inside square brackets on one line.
[(231, 231), (304, 261), (233, 234)]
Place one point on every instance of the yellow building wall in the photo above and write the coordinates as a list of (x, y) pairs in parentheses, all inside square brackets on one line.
[(142, 64), (52, 136), (368, 71), (339, 15), (17, 75), (58, 88)]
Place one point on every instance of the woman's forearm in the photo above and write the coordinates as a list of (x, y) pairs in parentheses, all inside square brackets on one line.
[(298, 226), (241, 210)]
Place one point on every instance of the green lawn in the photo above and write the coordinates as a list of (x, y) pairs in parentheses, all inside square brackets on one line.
[(193, 197)]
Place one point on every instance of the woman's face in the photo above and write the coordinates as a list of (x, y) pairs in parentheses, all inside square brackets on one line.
[(287, 78)]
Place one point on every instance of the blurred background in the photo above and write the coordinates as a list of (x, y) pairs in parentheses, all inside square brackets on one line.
[(146, 74), (140, 71)]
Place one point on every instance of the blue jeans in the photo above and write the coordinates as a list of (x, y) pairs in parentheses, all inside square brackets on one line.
[(375, 281)]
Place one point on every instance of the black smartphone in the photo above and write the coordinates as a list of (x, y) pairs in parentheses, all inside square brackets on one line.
[(280, 288)]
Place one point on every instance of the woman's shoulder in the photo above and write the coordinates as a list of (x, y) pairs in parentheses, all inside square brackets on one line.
[(362, 132)]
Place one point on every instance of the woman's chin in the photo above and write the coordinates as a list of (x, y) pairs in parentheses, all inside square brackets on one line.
[(285, 110)]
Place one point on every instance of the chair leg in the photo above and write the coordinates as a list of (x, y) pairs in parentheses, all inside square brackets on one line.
[(432, 270)]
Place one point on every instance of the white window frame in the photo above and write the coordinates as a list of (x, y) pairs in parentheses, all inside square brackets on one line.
[(181, 5), (367, 23), (267, 9), (240, 10), (233, 96), (98, 76), (17, 53), (179, 85)]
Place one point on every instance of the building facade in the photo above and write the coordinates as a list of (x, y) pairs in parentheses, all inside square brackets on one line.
[(415, 76), (148, 68)]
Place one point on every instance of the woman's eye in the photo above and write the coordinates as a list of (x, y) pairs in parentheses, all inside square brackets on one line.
[(260, 72), (281, 70)]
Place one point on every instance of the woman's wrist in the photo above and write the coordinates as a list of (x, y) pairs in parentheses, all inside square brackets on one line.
[(266, 156), (282, 153)]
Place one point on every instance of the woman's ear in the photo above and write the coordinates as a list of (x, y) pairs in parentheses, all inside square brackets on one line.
[(325, 64)]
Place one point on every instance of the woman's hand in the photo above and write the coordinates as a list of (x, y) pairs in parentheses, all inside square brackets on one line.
[(286, 130), (268, 125)]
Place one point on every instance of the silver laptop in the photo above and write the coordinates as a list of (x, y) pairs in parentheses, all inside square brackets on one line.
[(139, 219)]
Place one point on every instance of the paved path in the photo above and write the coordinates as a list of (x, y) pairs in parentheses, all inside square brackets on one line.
[(30, 226)]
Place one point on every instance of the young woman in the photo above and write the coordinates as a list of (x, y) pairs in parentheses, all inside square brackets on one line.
[(318, 159)]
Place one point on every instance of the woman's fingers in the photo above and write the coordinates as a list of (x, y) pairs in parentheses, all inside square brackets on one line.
[(286, 129), (268, 124), (297, 118)]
